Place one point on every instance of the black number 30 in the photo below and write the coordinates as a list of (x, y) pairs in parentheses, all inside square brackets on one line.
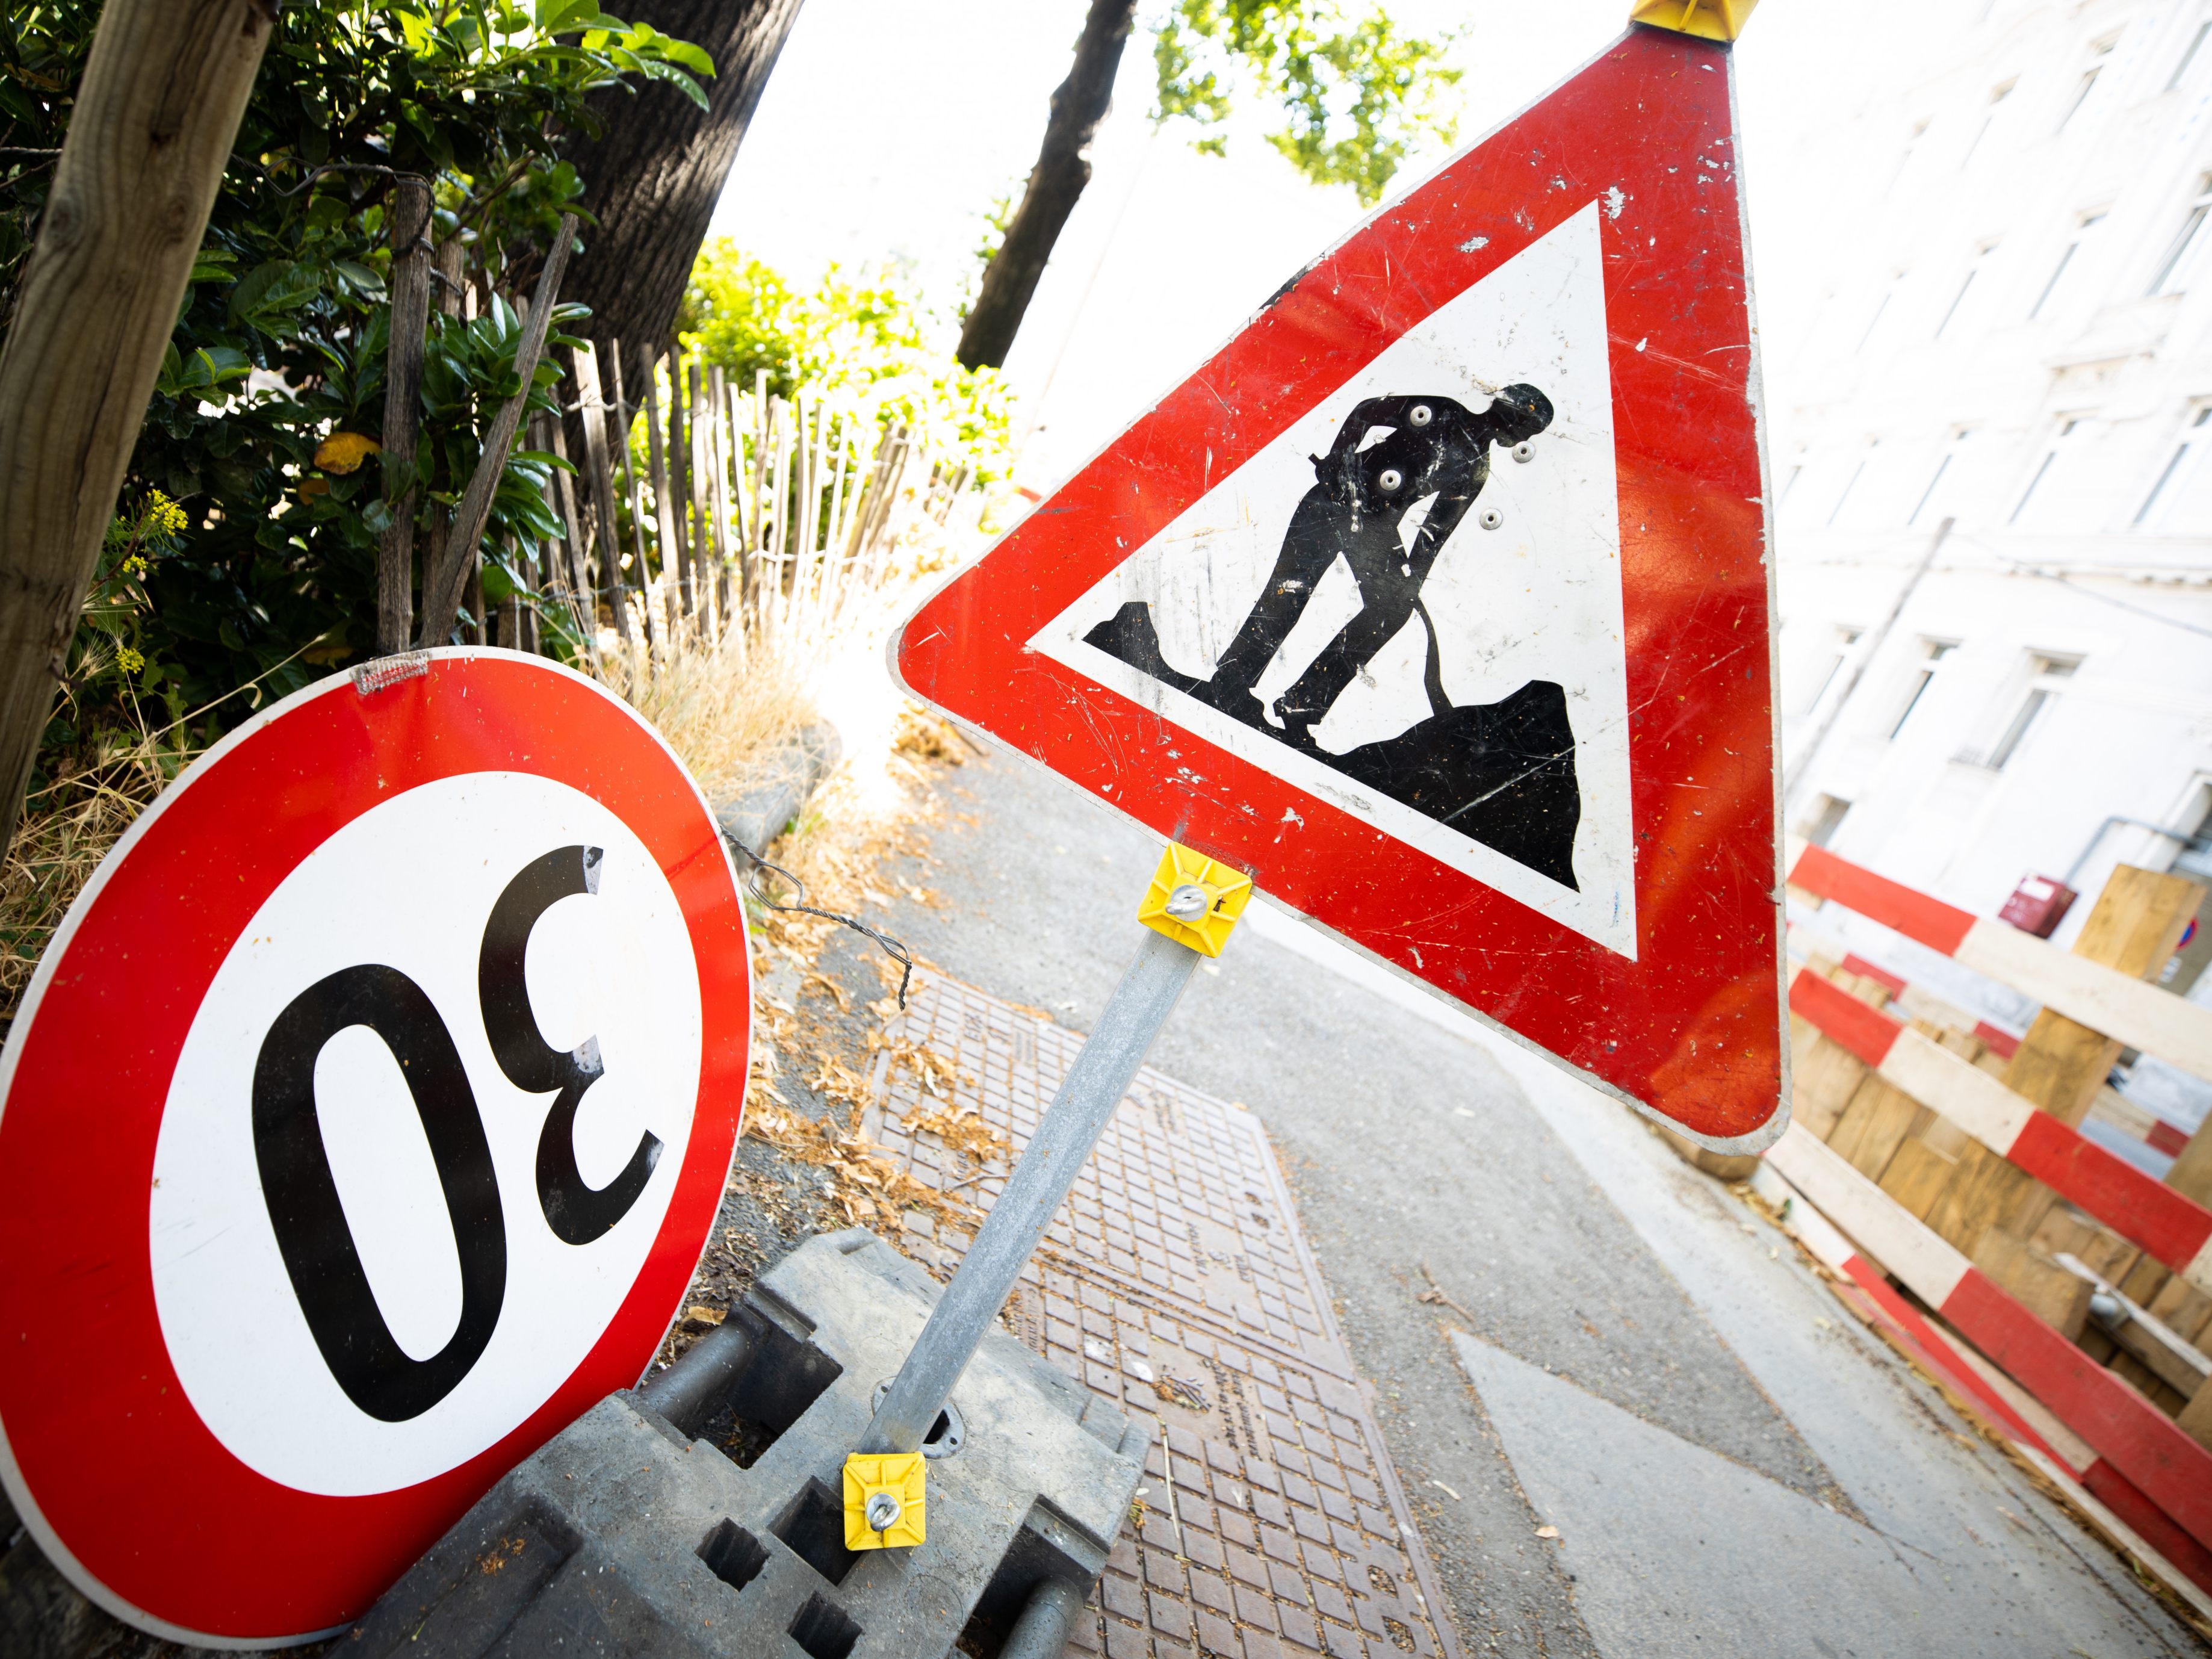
[(317, 1246)]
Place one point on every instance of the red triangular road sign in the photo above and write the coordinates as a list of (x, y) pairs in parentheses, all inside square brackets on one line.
[(1438, 598)]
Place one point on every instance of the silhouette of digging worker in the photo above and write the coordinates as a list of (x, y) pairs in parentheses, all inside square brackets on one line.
[(1431, 446)]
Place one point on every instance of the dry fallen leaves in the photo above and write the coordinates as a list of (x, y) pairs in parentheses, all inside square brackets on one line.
[(963, 1131), (867, 1184)]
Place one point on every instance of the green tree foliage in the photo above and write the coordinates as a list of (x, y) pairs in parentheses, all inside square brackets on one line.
[(251, 465), (1357, 96), (868, 337)]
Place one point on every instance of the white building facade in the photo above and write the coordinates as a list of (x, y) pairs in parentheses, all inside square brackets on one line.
[(1991, 448)]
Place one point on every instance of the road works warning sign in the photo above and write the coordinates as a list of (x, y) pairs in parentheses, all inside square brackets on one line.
[(1438, 598), (363, 1127)]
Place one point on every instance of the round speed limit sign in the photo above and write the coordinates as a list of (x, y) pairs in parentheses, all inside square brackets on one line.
[(362, 1126)]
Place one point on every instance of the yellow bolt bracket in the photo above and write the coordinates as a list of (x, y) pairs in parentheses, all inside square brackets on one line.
[(1194, 900), (884, 1503), (1710, 19)]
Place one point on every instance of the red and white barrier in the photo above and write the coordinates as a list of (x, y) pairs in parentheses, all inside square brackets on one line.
[(2144, 1447), (2167, 1224), (2115, 1502), (2134, 1011), (1999, 1041)]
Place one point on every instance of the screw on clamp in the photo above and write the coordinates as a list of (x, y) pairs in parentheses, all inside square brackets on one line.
[(885, 1502), (1194, 900)]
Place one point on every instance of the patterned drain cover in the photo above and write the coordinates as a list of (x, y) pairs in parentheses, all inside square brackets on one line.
[(1177, 1283)]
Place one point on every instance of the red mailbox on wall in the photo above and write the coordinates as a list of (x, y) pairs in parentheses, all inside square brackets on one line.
[(2037, 905)]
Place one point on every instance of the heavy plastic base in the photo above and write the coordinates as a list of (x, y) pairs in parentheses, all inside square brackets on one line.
[(626, 1536)]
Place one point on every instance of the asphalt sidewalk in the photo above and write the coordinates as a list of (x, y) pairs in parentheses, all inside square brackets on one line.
[(1628, 1417)]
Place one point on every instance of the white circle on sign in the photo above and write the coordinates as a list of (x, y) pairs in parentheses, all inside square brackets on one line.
[(410, 885)]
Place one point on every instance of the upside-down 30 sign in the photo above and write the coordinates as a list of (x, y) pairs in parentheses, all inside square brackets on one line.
[(362, 1126)]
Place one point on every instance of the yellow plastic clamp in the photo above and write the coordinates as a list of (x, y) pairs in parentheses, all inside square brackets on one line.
[(891, 1485), (1710, 19), (1170, 906)]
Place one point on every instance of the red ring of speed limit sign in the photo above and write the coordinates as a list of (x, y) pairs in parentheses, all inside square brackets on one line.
[(265, 1332)]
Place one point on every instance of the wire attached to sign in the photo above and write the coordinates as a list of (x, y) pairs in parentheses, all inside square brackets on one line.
[(892, 948)]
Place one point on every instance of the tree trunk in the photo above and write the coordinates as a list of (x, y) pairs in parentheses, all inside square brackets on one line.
[(652, 179), (1055, 184), (163, 90)]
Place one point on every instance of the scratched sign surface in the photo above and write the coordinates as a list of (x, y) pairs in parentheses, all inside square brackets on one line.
[(1438, 598)]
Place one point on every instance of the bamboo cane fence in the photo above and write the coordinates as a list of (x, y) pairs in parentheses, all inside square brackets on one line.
[(754, 519)]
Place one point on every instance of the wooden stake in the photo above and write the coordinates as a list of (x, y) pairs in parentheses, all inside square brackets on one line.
[(591, 407), (148, 137), (441, 593), (663, 503), (403, 407), (623, 414)]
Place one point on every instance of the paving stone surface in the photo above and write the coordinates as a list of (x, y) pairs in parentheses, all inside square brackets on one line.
[(1176, 1281)]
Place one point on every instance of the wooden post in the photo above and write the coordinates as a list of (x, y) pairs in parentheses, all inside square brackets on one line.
[(698, 587), (664, 505), (723, 433), (593, 410), (403, 407), (155, 115), (2061, 1065), (2135, 924), (441, 592), (636, 498)]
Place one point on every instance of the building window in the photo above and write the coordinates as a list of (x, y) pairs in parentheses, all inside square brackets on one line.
[(2040, 690), (1845, 639), (1998, 93), (2189, 56), (1973, 270), (2171, 264), (1936, 479), (1879, 307), (2190, 438), (2088, 83), (1828, 814), (2081, 229), (1857, 472), (2066, 430), (1933, 651)]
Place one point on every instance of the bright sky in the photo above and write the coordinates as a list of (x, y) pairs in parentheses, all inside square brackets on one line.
[(888, 127)]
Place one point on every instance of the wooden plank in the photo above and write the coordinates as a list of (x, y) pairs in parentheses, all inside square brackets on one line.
[(2192, 1169), (1824, 1076), (2046, 1290), (1917, 1174), (634, 491), (2132, 929), (2182, 1309), (2060, 1066), (598, 473), (2196, 1418), (1986, 1192), (2144, 1282), (1875, 1120)]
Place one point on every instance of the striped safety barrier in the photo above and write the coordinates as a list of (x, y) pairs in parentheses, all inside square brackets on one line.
[(2165, 1223), (2133, 1011), (2146, 1447), (2063, 1457)]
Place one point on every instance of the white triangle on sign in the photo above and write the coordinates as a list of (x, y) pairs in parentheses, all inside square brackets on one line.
[(1524, 593)]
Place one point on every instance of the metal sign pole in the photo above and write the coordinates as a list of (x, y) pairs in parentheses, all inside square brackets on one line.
[(1193, 904), (1094, 1086)]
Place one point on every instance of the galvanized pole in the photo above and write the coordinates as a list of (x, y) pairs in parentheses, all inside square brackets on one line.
[(1040, 1182)]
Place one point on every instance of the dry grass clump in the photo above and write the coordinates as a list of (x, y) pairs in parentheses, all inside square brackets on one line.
[(721, 708), (67, 828)]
